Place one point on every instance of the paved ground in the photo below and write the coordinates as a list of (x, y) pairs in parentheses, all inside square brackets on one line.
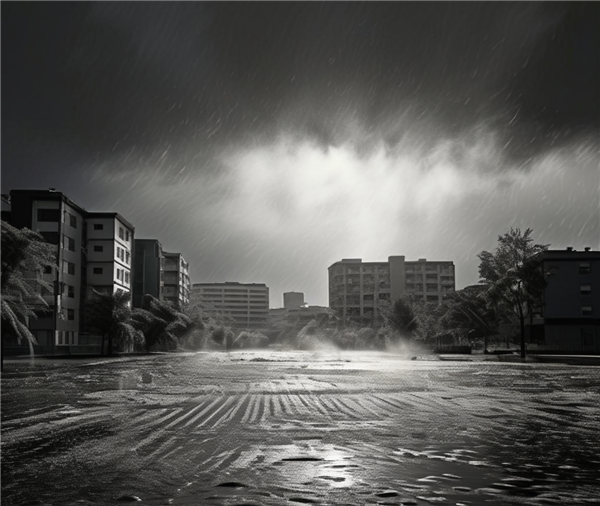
[(276, 427)]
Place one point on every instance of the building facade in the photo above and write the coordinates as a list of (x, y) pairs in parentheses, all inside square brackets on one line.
[(293, 300), (572, 300), (109, 246), (61, 222), (245, 305), (359, 290), (176, 276), (148, 270), (93, 251)]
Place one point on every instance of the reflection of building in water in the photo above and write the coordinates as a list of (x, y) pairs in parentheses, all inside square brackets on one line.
[(247, 305), (358, 290), (571, 301), (293, 299)]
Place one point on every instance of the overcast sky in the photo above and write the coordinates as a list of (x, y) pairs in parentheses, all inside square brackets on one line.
[(266, 141)]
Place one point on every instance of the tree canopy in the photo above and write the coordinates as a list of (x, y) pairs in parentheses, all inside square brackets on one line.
[(513, 277), (25, 256)]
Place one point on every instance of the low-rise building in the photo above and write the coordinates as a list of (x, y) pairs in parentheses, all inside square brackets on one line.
[(359, 290), (245, 304), (176, 278), (293, 300), (572, 300)]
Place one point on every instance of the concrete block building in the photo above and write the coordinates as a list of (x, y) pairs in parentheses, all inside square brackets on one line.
[(245, 304), (148, 270), (571, 309), (176, 279), (358, 290)]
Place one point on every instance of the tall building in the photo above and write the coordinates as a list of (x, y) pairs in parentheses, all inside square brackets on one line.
[(93, 250), (176, 279), (245, 304), (148, 270), (572, 300), (358, 290), (293, 300), (109, 246), (61, 222)]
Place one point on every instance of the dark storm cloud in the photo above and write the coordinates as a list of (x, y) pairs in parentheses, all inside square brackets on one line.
[(145, 76)]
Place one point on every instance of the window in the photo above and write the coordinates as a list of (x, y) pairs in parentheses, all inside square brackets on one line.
[(585, 289), (128, 257), (68, 243), (68, 267), (98, 249), (70, 314), (127, 235), (98, 270), (586, 310), (119, 274), (48, 215), (127, 277), (584, 268), (72, 220), (98, 226), (51, 237), (121, 233)]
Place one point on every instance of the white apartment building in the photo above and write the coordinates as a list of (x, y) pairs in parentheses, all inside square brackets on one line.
[(109, 248), (176, 279), (61, 222), (246, 304), (358, 290)]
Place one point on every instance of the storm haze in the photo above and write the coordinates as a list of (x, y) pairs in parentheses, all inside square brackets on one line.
[(265, 141)]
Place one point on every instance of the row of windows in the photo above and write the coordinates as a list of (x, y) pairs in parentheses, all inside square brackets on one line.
[(123, 255), (54, 215), (123, 275), (123, 234), (66, 337), (583, 267)]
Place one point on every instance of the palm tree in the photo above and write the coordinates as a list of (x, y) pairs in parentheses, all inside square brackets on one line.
[(110, 314), (161, 323), (25, 256)]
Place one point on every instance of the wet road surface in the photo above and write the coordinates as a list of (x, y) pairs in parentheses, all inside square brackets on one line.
[(277, 427)]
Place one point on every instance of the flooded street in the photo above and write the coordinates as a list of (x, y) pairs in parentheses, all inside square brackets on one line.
[(282, 427)]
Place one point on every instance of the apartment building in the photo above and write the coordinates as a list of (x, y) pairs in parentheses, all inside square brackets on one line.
[(93, 250), (176, 279), (109, 246), (148, 270), (61, 222), (247, 305), (358, 290), (572, 300)]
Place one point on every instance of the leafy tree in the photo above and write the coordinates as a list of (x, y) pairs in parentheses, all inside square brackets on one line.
[(513, 276), (467, 313), (402, 318), (110, 314), (25, 256), (161, 323)]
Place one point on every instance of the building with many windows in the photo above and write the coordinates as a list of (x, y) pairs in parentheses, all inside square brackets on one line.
[(358, 290), (176, 276), (245, 305), (93, 250), (572, 300), (109, 246), (61, 222)]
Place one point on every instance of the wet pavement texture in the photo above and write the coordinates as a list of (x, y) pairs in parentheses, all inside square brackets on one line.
[(295, 427)]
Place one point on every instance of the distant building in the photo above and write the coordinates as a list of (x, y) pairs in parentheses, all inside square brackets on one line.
[(572, 300), (247, 305), (176, 279), (148, 270), (299, 315), (293, 300), (359, 290)]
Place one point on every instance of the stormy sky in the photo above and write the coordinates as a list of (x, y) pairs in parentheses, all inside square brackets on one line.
[(265, 141)]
